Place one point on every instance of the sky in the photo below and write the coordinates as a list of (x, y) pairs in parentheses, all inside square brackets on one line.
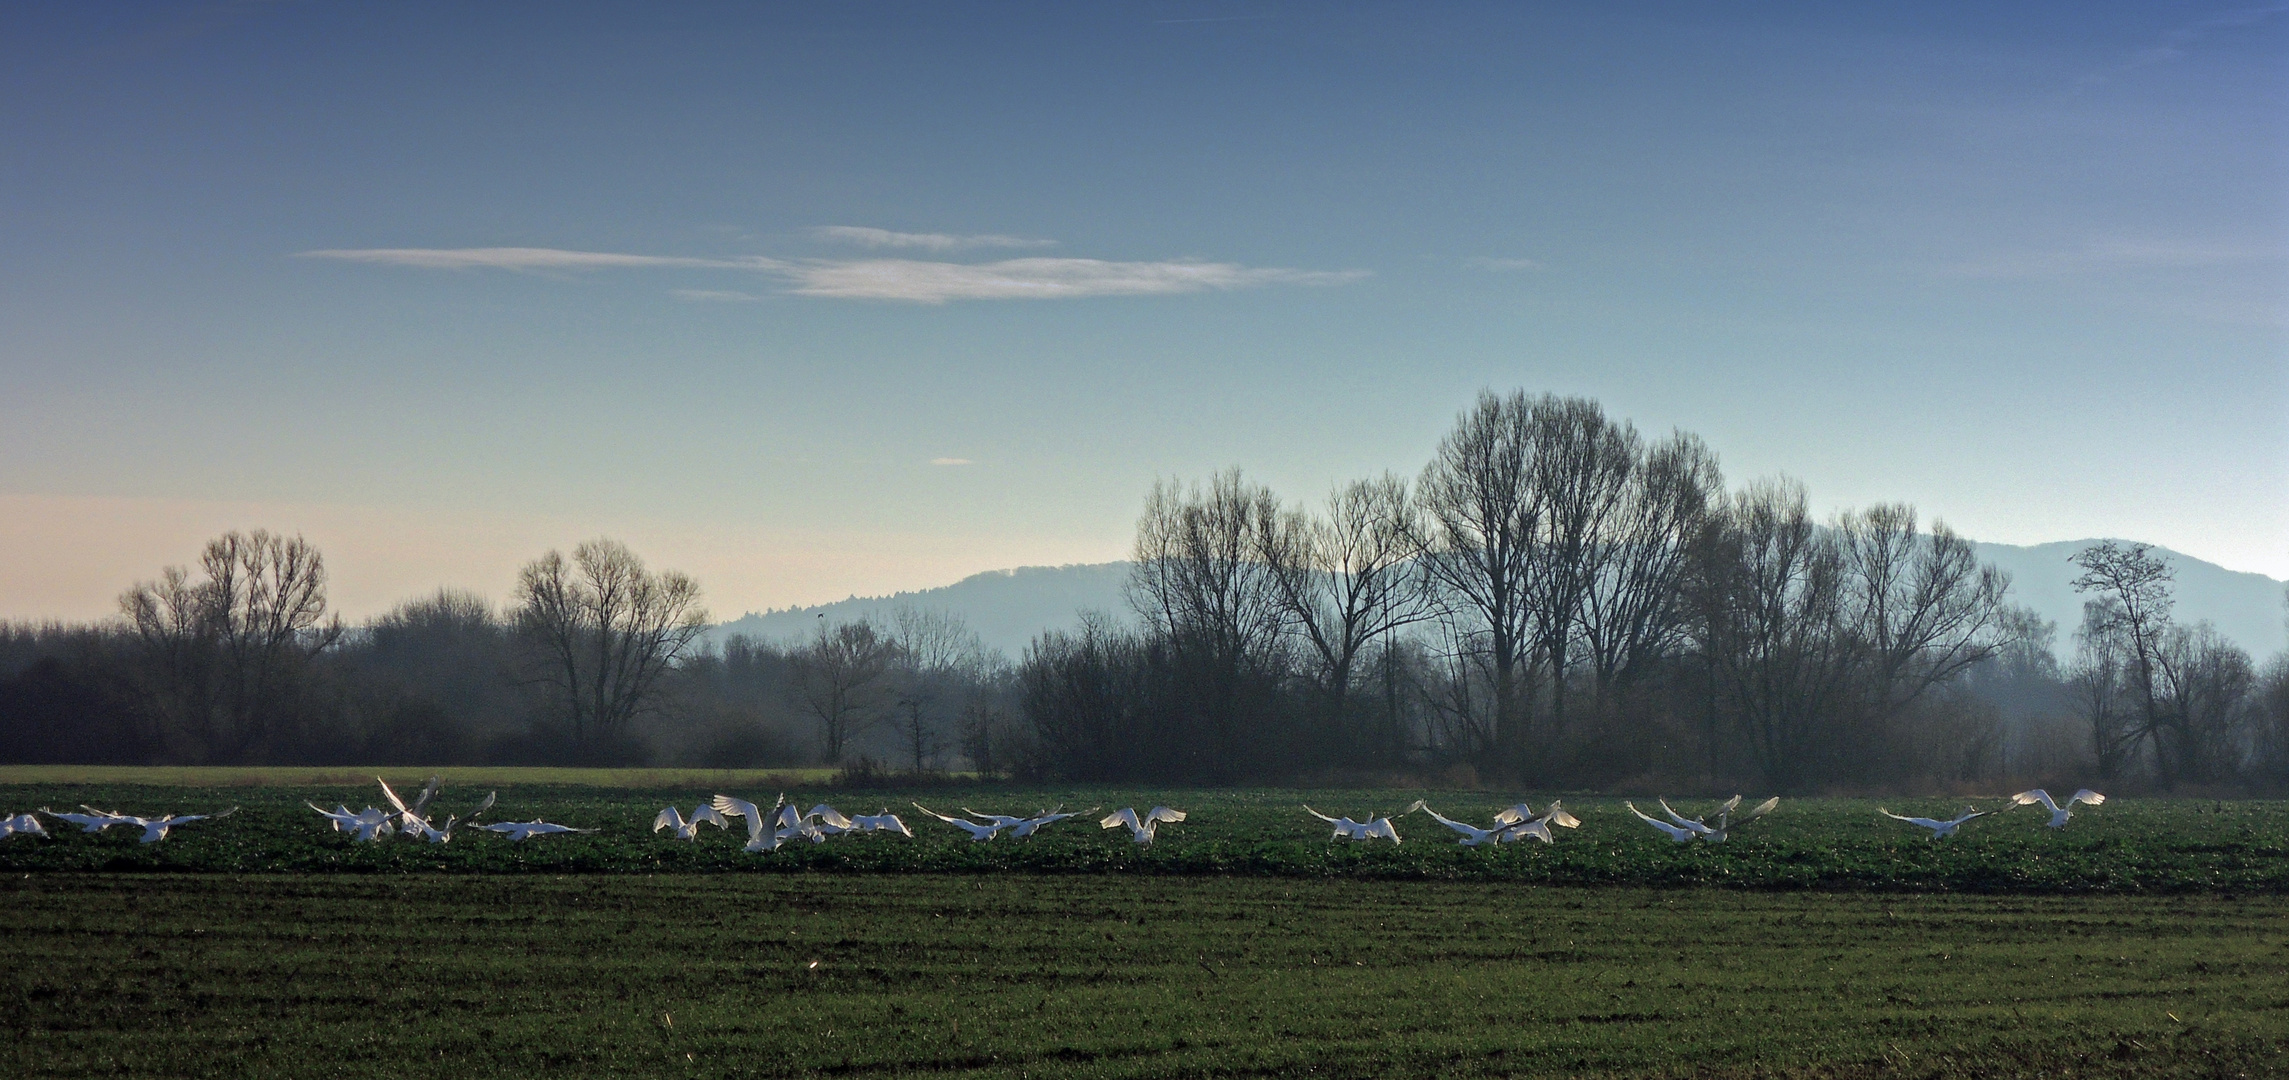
[(819, 300)]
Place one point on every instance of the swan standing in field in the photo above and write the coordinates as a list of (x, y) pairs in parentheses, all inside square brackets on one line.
[(1472, 835), (1347, 829), (520, 830), (22, 824), (1678, 833), (703, 814), (882, 822), (760, 835), (1940, 830), (2059, 812), (1141, 828), (155, 829), (93, 821), (979, 831)]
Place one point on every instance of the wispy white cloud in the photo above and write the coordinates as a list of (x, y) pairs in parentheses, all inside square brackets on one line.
[(1489, 263), (951, 461), (884, 238), (914, 280), (2103, 256), (1039, 279), (517, 258)]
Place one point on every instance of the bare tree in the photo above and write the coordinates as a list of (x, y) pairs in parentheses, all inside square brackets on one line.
[(938, 658), (1580, 467), (604, 630), (2102, 683), (1922, 605), (2209, 681), (1772, 634), (2132, 619), (1346, 579), (1632, 609), (223, 656), (1483, 516), (842, 677)]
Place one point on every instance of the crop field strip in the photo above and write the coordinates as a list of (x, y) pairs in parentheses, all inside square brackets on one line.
[(2126, 846), (424, 975)]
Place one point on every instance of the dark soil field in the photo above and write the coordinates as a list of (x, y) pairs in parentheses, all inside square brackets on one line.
[(1103, 975)]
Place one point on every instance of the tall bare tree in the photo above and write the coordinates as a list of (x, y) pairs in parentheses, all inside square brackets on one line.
[(1346, 578), (1483, 515), (843, 677), (2132, 620), (604, 630), (223, 655), (1580, 467), (1923, 606), (1633, 611)]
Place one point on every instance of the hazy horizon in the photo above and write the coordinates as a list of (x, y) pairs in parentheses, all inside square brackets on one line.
[(820, 302)]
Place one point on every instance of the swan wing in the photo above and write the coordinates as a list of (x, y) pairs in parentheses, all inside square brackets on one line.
[(669, 818), (2086, 796), (1162, 813), (1322, 817), (1126, 815), (390, 795)]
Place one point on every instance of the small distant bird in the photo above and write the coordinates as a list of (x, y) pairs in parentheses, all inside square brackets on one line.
[(882, 822), (1678, 833), (979, 831), (703, 814), (23, 824), (2059, 812), (1940, 830), (1347, 829), (760, 835), (1141, 828), (1472, 835), (155, 829), (519, 830), (93, 820)]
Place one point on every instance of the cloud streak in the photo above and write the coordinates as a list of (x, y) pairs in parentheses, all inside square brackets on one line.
[(884, 238), (918, 281), (2106, 256), (520, 258)]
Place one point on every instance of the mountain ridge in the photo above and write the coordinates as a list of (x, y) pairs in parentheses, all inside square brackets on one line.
[(1009, 608)]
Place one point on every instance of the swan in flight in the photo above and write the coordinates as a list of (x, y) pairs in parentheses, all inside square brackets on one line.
[(1725, 822), (155, 829), (1523, 813), (703, 814), (979, 831), (1940, 830), (420, 828), (2059, 811), (1025, 829), (829, 821), (882, 822), (1347, 829), (1679, 833), (1141, 828), (1696, 826), (23, 823), (519, 830), (1472, 835), (369, 823), (760, 835), (93, 821), (408, 814)]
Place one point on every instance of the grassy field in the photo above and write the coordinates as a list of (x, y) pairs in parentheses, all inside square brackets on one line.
[(2126, 846), (1109, 976), (236, 776)]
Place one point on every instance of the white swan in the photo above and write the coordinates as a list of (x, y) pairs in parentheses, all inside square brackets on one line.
[(1141, 827), (1678, 833), (882, 822), (703, 814), (1347, 829), (22, 824), (760, 835), (520, 830), (93, 821), (1940, 830), (1472, 835), (2059, 811), (155, 829), (979, 831)]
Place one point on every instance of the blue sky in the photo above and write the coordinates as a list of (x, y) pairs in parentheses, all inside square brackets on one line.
[(445, 286)]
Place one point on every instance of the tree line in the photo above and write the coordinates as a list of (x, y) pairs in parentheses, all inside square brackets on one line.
[(1555, 599)]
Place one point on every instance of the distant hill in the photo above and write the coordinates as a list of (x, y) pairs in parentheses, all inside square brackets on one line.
[(1008, 608)]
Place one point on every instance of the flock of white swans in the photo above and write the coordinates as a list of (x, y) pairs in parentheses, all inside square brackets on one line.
[(767, 830)]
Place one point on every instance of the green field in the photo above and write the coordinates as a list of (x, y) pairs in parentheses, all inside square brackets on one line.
[(456, 977), (2127, 846)]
